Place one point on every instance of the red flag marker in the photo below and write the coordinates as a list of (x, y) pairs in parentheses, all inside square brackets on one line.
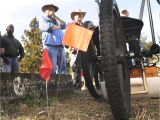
[(46, 67)]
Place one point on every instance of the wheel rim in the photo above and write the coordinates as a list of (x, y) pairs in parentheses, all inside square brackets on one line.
[(121, 60)]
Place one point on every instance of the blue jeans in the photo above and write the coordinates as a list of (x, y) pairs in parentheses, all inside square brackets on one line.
[(13, 65), (58, 58)]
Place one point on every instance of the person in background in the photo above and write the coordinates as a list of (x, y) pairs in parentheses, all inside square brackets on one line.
[(14, 51), (94, 53), (52, 35), (125, 13), (1, 52), (1, 45)]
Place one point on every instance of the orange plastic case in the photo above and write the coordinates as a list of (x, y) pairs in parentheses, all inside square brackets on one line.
[(149, 72), (135, 73), (77, 37)]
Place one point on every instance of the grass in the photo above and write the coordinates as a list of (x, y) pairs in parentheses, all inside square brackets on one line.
[(75, 106)]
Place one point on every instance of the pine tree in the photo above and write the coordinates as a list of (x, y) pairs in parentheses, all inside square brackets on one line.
[(33, 48), (159, 39), (145, 43)]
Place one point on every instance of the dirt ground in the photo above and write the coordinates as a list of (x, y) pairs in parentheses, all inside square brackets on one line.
[(76, 106)]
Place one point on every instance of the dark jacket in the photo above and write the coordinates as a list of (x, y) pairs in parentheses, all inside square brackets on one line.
[(0, 41), (12, 46)]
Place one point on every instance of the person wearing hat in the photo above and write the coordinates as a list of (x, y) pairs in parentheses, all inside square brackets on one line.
[(14, 51), (52, 35), (77, 17)]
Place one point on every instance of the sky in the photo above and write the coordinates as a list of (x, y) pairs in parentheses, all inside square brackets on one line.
[(133, 6), (21, 12)]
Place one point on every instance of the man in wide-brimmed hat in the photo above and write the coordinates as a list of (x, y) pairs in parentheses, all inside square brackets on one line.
[(77, 16), (50, 6), (52, 35)]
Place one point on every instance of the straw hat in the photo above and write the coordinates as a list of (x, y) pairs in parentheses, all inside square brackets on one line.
[(77, 12), (45, 7)]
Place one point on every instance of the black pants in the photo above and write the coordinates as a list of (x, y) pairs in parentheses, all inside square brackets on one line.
[(77, 71)]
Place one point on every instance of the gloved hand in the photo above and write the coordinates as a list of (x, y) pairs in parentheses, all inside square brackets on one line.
[(74, 52)]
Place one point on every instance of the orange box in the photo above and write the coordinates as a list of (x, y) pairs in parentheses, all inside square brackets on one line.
[(151, 71), (135, 73), (77, 37)]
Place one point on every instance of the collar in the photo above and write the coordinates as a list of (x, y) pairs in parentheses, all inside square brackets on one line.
[(9, 35)]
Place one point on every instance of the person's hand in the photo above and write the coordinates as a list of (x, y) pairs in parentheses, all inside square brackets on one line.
[(19, 59), (63, 26), (73, 51), (2, 50), (66, 46), (5, 60), (54, 16), (58, 19), (56, 27)]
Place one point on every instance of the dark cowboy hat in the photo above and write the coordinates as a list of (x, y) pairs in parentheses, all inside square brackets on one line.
[(50, 5), (77, 12)]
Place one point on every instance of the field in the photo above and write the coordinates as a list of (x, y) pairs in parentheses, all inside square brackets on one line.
[(78, 105)]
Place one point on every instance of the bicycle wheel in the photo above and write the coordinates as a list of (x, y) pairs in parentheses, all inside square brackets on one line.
[(114, 63), (86, 65)]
